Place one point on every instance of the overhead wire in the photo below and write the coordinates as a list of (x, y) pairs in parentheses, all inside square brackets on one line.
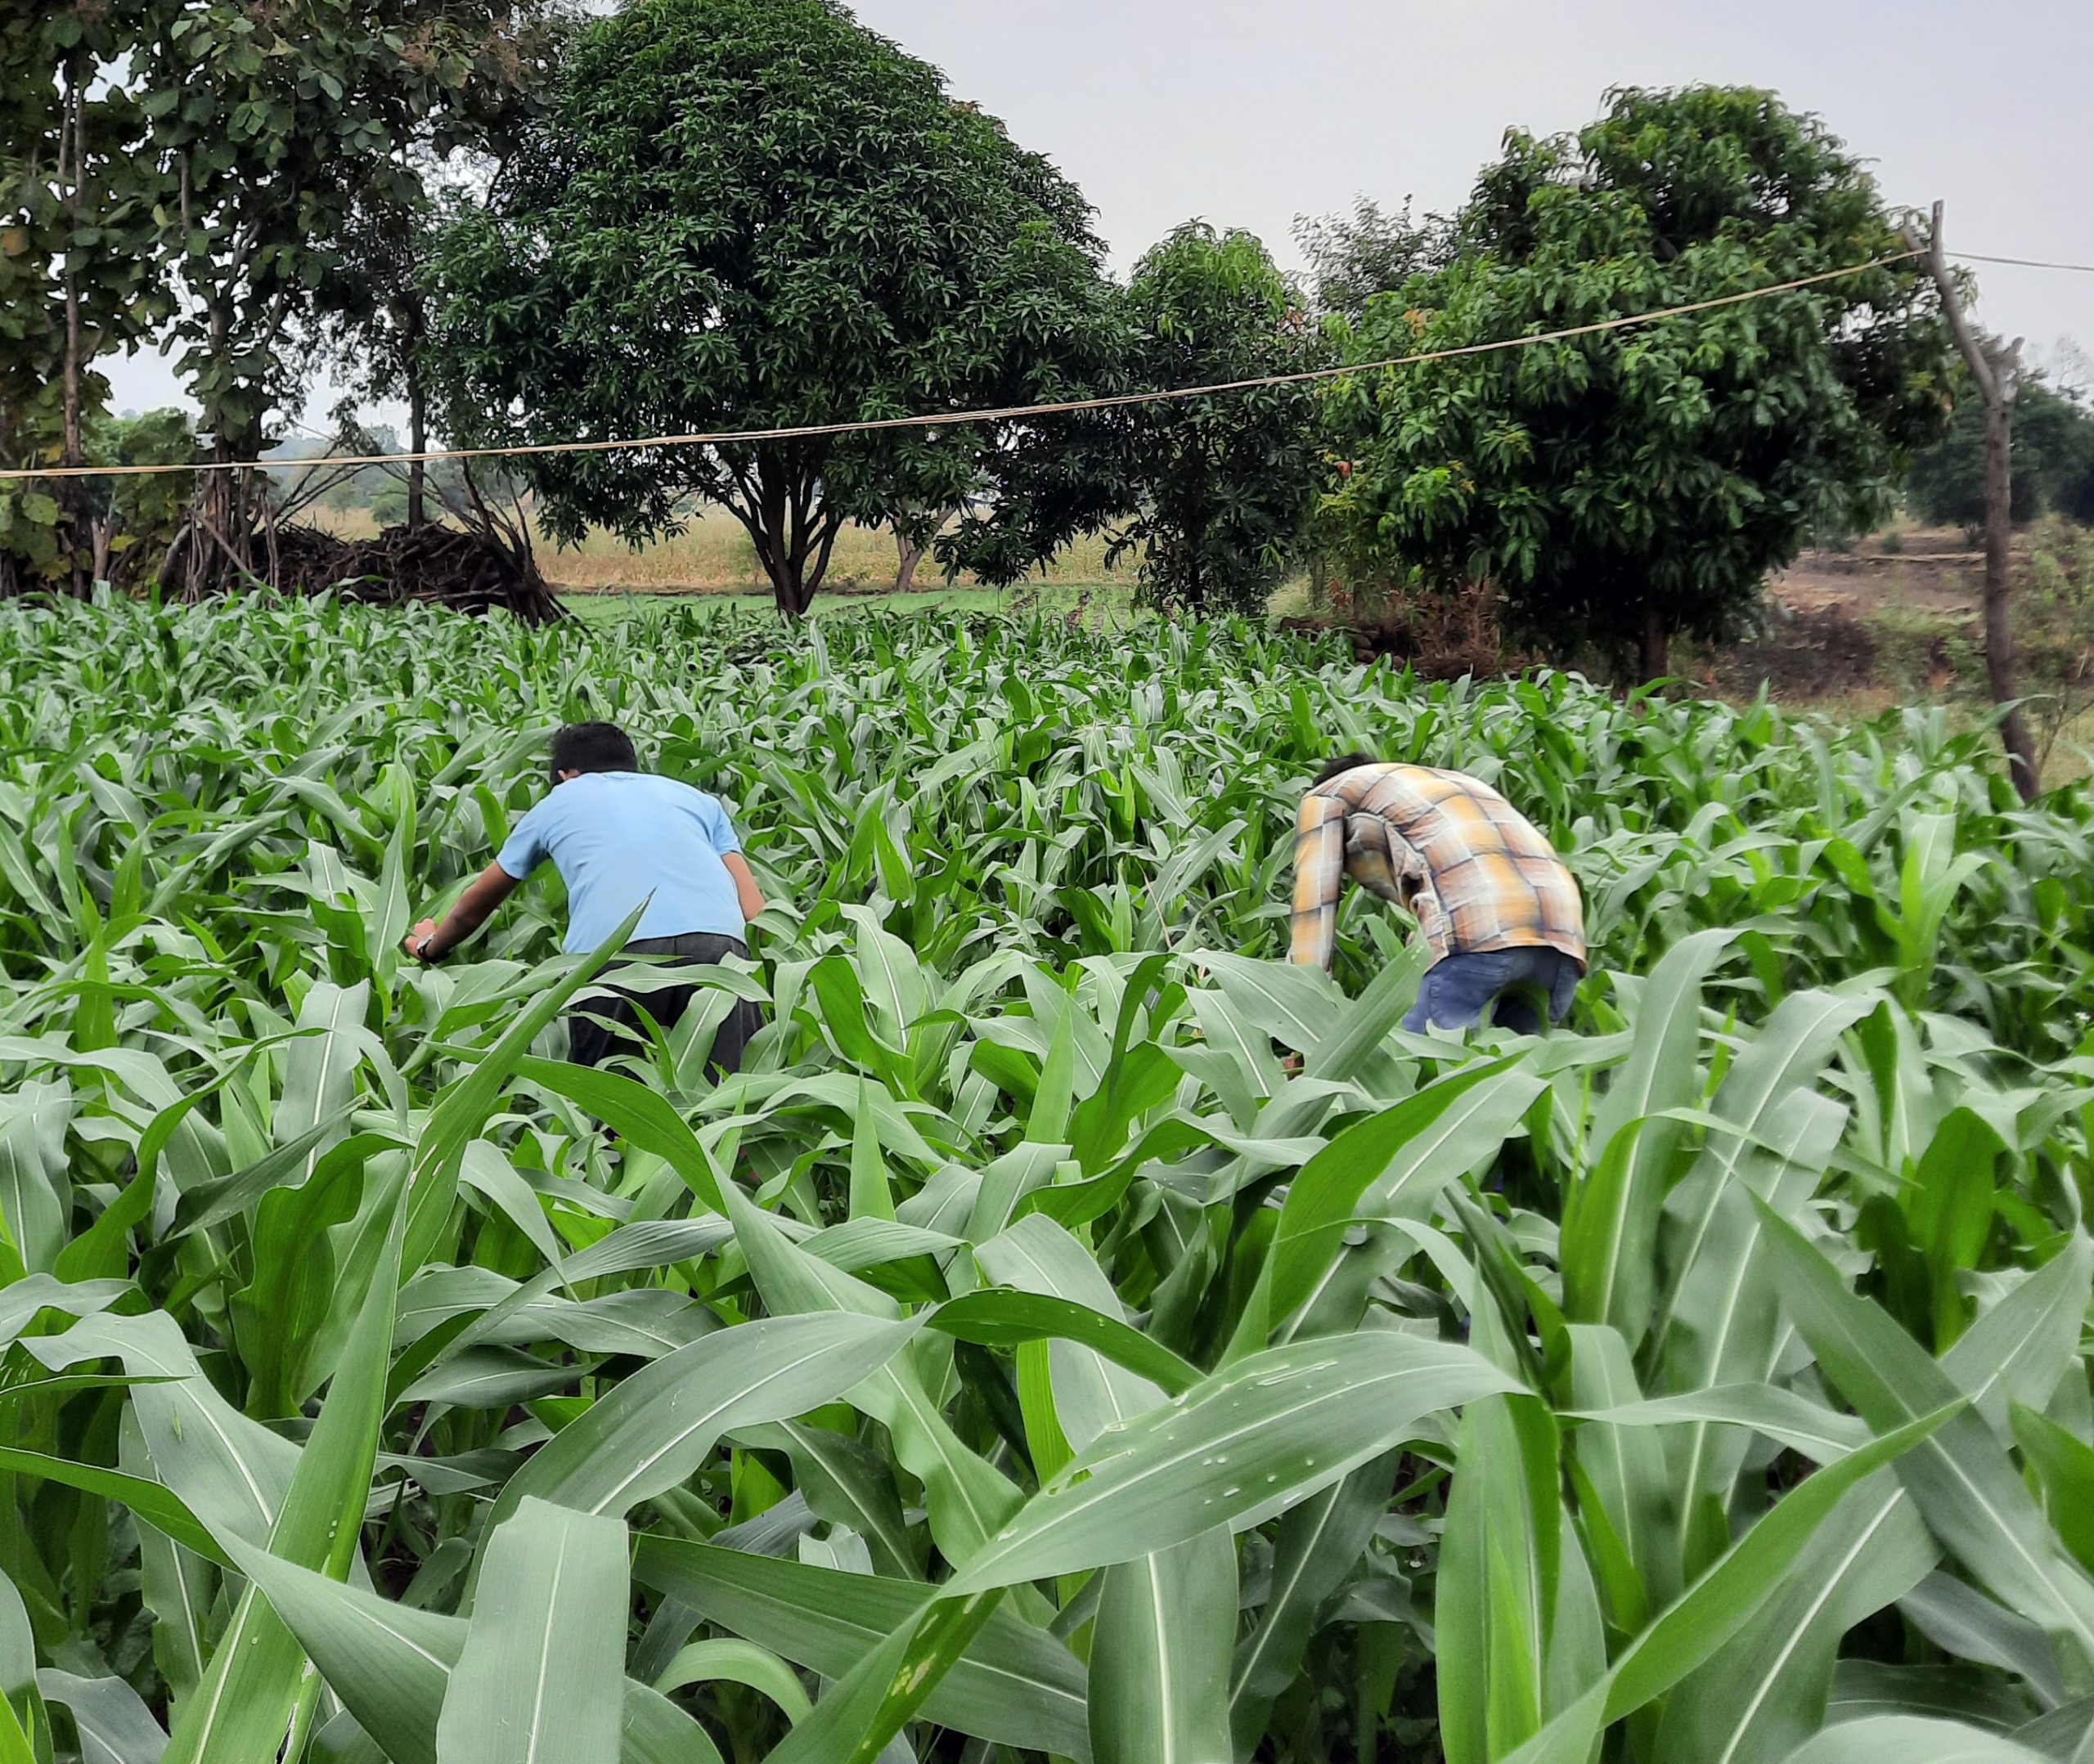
[(1009, 413), (2026, 263), (956, 419)]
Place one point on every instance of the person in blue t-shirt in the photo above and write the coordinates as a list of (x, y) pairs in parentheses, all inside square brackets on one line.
[(619, 836)]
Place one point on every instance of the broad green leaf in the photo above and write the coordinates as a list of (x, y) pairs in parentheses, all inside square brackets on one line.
[(2017, 1351), (1015, 1684), (967, 1495), (1611, 1221), (1391, 1166), (636, 1113), (1909, 1739), (541, 1674), (1768, 1691), (114, 1724), (1318, 1542), (257, 1679), (1002, 1316), (1713, 1609), (1516, 1613), (1963, 1483), (1093, 1390), (659, 1425), (1160, 1654), (1245, 1444), (741, 1662)]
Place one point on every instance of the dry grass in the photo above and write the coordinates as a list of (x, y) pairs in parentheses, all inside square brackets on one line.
[(713, 555)]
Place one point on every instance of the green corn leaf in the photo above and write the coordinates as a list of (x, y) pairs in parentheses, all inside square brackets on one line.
[(1318, 1542), (1909, 1739), (257, 1684), (114, 1724), (1160, 1655), (1965, 1486), (1768, 1689), (741, 1662), (1244, 1445), (1611, 1222), (541, 1674), (1015, 1684), (659, 1425), (1002, 1316)]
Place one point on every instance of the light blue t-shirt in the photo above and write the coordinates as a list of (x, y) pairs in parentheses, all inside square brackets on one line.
[(616, 837)]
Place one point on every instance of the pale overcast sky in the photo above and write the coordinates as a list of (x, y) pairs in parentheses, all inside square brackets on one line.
[(1249, 112)]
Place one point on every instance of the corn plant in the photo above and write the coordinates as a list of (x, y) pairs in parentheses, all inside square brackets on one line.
[(1020, 1359)]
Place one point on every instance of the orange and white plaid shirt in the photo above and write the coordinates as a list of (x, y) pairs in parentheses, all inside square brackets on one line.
[(1446, 848)]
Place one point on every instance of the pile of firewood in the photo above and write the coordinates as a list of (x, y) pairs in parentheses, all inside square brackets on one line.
[(447, 566)]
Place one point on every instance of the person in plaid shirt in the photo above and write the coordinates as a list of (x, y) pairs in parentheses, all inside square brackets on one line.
[(1496, 907)]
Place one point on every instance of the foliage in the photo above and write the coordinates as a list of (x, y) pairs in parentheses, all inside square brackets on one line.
[(373, 298), (2053, 460), (750, 213), (1620, 487), (1222, 486), (2054, 634), (126, 523), (197, 171), (1017, 1354), (78, 274), (1372, 250)]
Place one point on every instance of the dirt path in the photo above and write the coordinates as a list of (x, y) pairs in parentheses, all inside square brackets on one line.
[(1931, 571)]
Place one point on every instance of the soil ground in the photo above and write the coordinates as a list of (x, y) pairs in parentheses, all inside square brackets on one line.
[(1861, 628)]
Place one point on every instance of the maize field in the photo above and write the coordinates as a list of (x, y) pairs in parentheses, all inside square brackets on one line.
[(1027, 1357)]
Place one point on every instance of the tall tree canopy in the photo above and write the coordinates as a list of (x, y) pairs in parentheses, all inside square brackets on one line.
[(1619, 487), (743, 214), (1372, 250), (1220, 487)]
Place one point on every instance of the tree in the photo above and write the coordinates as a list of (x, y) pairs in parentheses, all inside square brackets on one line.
[(373, 297), (1372, 250), (745, 214), (1222, 486), (2052, 459), (1619, 487), (79, 262), (269, 128)]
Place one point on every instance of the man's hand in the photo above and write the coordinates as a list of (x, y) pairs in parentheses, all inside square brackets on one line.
[(482, 895)]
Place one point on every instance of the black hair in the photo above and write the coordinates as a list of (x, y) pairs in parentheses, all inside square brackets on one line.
[(593, 747), (1344, 762)]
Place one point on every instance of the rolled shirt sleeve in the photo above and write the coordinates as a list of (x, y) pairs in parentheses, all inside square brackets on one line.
[(525, 848), (720, 830), (1319, 875)]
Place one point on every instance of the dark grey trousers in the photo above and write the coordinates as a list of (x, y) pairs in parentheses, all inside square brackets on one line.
[(602, 1026)]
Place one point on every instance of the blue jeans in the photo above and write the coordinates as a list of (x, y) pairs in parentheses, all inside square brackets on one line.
[(1458, 991)]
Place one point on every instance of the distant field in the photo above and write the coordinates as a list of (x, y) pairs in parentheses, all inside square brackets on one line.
[(713, 555), (1096, 605)]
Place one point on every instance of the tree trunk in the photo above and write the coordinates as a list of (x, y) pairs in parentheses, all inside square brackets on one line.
[(780, 508), (1996, 368), (909, 554), (75, 493), (417, 421), (1657, 643), (417, 442), (2000, 668)]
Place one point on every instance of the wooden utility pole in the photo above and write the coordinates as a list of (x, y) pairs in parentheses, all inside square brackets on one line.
[(1996, 367)]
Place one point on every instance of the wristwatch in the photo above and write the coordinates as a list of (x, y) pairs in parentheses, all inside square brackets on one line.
[(421, 949)]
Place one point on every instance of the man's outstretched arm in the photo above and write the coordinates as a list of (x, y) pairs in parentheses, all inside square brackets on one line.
[(1318, 875), (429, 941), (746, 890)]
